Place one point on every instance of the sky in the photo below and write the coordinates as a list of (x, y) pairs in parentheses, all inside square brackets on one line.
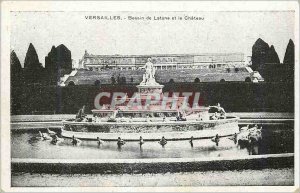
[(217, 32)]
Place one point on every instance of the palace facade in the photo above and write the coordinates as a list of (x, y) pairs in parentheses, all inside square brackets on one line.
[(162, 62)]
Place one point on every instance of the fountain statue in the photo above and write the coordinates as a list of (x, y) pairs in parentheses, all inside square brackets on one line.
[(148, 84), (149, 76)]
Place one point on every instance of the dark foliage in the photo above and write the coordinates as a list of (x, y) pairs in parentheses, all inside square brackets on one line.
[(265, 60), (16, 71), (272, 56), (262, 54), (259, 52), (58, 63), (289, 57), (234, 97), (32, 66)]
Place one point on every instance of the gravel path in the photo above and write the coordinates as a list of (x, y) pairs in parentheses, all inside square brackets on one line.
[(265, 177)]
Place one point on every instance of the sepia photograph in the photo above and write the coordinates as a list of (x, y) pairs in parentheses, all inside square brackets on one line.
[(149, 96)]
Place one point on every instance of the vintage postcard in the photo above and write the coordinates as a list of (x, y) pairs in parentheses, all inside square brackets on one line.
[(149, 96)]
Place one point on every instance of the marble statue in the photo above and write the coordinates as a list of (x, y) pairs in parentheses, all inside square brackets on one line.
[(149, 76)]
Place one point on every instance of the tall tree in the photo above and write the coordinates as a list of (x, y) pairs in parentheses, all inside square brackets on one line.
[(50, 60), (15, 69), (50, 66), (272, 56), (289, 57), (259, 53), (33, 69), (58, 62), (64, 57)]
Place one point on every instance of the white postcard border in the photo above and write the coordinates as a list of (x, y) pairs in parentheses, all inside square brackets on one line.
[(8, 6)]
